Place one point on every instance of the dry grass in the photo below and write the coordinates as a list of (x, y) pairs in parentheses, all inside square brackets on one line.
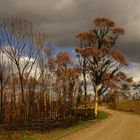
[(129, 105), (12, 135)]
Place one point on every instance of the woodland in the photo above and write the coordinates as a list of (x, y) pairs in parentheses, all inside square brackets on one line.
[(44, 89)]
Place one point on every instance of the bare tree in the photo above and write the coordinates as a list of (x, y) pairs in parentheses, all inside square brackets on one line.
[(22, 46), (5, 67)]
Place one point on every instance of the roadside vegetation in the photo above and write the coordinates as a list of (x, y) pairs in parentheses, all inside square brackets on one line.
[(54, 134)]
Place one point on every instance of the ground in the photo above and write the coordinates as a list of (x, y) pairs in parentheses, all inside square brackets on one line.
[(119, 126)]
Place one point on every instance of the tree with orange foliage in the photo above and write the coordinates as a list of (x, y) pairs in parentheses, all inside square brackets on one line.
[(73, 80), (99, 48), (62, 61), (65, 76), (119, 87)]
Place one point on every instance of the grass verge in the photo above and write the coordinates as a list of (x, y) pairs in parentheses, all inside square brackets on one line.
[(57, 134), (52, 135)]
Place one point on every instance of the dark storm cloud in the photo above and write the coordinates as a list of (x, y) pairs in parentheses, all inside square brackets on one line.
[(63, 19), (131, 51)]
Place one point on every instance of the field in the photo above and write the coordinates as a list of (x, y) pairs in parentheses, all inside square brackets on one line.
[(129, 105)]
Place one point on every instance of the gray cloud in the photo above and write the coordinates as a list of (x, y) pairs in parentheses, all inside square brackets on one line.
[(134, 71), (131, 51), (63, 19)]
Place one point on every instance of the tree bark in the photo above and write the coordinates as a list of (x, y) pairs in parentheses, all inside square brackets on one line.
[(85, 100), (1, 106), (96, 101), (1, 101)]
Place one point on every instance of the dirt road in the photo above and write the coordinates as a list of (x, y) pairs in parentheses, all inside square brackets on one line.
[(119, 126)]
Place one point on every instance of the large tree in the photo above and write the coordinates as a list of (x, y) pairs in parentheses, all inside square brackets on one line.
[(99, 48)]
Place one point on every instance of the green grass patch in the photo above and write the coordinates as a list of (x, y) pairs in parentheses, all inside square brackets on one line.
[(102, 115)]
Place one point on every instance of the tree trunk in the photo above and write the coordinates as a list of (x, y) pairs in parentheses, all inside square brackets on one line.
[(85, 91), (85, 101), (1, 105), (96, 101)]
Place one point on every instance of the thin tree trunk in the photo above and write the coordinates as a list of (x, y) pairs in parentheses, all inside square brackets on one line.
[(96, 101), (85, 86), (85, 90), (1, 106)]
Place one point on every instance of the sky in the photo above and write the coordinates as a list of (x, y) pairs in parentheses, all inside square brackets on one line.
[(63, 19)]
